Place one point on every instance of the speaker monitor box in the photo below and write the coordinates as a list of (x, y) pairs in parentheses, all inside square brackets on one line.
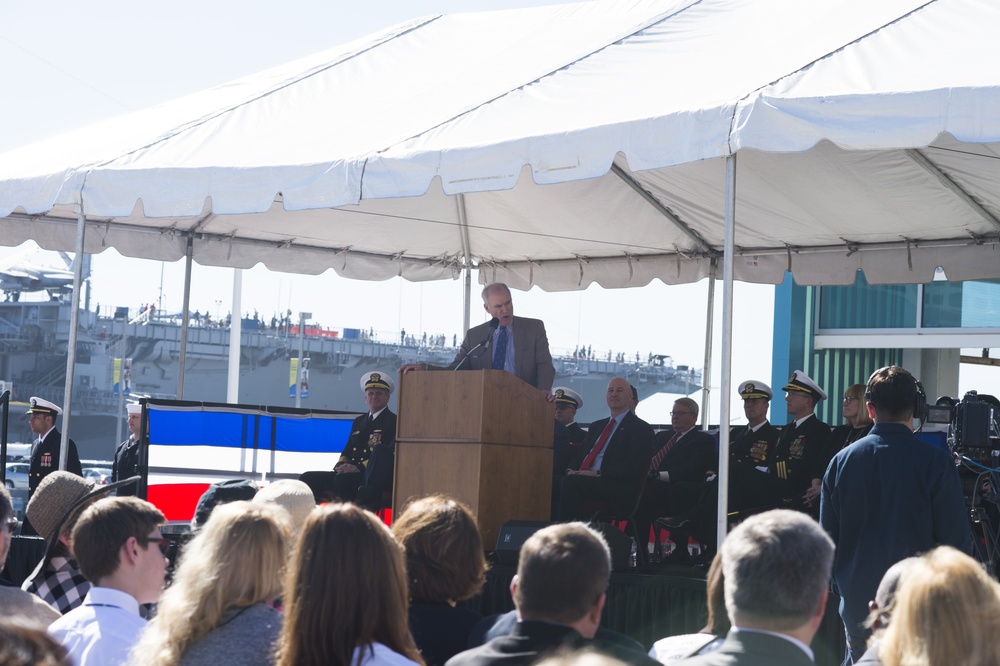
[(514, 533)]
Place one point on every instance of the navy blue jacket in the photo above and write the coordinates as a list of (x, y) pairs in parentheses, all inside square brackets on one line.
[(887, 497)]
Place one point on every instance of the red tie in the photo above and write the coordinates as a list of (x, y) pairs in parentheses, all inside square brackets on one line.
[(601, 441), (654, 464)]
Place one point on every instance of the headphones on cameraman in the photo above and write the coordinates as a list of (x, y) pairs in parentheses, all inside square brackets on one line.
[(919, 400)]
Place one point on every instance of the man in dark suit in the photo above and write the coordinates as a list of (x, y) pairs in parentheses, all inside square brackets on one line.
[(518, 344), (608, 463), (777, 570), (681, 461), (45, 451), (373, 431), (559, 592)]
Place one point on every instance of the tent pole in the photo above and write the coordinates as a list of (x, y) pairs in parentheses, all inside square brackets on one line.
[(463, 223), (727, 345), (74, 324), (235, 336), (185, 316), (706, 370)]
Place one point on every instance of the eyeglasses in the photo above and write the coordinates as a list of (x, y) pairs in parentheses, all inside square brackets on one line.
[(680, 413), (10, 525), (160, 542), (849, 398)]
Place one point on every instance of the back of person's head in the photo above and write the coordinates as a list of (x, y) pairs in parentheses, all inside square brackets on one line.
[(236, 560), (223, 492), (346, 588), (444, 550), (562, 572), (105, 526), (290, 495), (947, 611), (23, 643), (881, 607), (777, 567), (586, 657), (892, 390), (715, 590), (857, 393)]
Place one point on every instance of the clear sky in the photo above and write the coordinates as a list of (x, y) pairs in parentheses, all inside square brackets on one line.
[(65, 65)]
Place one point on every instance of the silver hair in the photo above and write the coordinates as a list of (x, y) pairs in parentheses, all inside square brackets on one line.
[(494, 286), (777, 566)]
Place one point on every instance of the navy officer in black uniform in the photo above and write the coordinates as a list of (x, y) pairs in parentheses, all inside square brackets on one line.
[(567, 402), (126, 463), (373, 431), (45, 451)]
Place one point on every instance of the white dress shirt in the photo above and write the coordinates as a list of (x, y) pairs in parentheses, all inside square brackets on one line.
[(103, 630)]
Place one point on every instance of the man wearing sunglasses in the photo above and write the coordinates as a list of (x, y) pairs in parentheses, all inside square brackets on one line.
[(119, 548)]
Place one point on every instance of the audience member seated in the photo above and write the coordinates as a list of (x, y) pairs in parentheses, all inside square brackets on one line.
[(777, 575), (14, 601), (881, 607), (674, 648), (568, 402), (25, 643), (346, 594), (608, 464), (54, 509), (120, 550), (291, 496), (857, 424), (223, 492), (947, 611), (216, 611), (559, 591), (678, 469), (444, 565)]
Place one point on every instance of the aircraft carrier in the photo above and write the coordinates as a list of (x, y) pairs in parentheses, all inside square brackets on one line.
[(34, 337)]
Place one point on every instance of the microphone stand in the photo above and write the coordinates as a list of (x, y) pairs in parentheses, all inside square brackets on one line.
[(494, 323)]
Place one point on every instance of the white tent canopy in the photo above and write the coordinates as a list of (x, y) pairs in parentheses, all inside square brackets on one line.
[(587, 142)]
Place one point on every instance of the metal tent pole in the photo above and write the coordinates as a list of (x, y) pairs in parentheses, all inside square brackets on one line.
[(725, 385), (74, 323), (185, 316), (235, 338)]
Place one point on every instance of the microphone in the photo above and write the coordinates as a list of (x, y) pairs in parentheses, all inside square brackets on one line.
[(494, 323)]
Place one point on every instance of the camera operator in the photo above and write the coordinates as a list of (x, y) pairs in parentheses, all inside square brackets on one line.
[(886, 497)]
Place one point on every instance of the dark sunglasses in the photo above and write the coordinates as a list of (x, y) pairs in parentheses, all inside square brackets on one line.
[(9, 525), (161, 543)]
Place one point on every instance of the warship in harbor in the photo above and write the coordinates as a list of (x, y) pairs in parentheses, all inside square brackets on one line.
[(34, 338)]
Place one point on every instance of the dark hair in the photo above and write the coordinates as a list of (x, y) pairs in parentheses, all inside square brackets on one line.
[(6, 506), (345, 589), (562, 573), (893, 392), (444, 550), (105, 527)]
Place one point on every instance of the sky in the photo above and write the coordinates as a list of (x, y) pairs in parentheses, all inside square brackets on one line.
[(66, 65)]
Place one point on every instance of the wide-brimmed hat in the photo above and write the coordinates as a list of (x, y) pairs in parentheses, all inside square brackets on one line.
[(59, 496)]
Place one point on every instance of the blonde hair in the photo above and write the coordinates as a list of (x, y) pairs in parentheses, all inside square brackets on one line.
[(946, 611), (863, 419), (235, 561)]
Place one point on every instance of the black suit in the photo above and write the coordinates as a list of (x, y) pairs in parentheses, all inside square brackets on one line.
[(532, 360), (576, 433), (625, 455), (367, 435), (45, 459), (751, 648), (530, 640), (688, 464)]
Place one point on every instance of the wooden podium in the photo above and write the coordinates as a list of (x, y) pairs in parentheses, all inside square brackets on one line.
[(481, 436)]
